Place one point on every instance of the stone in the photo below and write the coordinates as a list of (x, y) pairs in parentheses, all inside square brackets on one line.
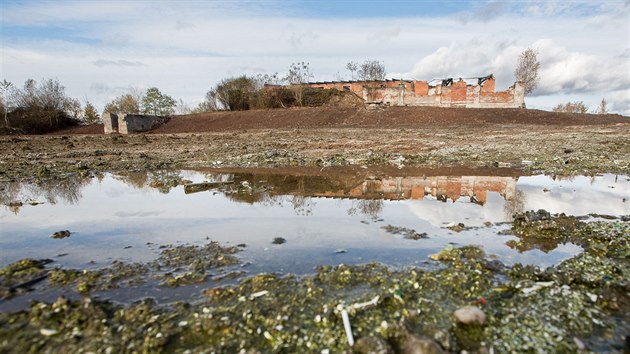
[(61, 234), (372, 345), (470, 315), (414, 344), (278, 241)]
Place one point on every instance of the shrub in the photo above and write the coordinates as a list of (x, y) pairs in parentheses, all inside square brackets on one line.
[(318, 96), (571, 107), (41, 108), (37, 121)]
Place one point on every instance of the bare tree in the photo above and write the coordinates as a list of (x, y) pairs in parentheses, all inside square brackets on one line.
[(209, 104), (299, 74), (43, 106), (49, 95), (571, 107), (5, 86), (372, 70), (267, 79), (352, 66), (603, 107), (182, 108), (526, 71), (74, 108)]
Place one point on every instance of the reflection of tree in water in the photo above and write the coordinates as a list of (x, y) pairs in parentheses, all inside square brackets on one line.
[(245, 196), (9, 196), (164, 180), (514, 205), (67, 190), (135, 179), (302, 205), (9, 192), (368, 207)]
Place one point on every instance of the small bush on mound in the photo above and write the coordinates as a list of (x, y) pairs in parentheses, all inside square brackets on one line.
[(262, 92), (41, 108), (37, 121), (318, 97), (571, 107), (277, 97), (283, 97)]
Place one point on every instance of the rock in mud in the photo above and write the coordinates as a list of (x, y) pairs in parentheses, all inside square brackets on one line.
[(457, 227), (372, 345), (409, 234), (470, 315), (278, 241), (451, 254), (61, 234), (530, 216), (414, 344)]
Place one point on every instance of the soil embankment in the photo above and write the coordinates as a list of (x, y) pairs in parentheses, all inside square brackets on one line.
[(528, 140), (354, 117)]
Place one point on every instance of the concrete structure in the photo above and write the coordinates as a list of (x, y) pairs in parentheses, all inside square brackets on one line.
[(437, 93), (130, 123)]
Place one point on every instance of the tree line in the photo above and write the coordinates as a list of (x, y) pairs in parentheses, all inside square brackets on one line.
[(44, 106)]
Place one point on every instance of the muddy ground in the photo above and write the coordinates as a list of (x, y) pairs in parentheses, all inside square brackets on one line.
[(389, 310), (532, 141), (467, 301)]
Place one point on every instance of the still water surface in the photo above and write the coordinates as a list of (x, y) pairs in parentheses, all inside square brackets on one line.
[(323, 220)]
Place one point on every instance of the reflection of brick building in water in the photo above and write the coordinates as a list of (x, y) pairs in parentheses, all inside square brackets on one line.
[(441, 187)]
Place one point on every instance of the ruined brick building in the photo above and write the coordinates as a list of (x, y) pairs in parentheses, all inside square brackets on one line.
[(436, 93)]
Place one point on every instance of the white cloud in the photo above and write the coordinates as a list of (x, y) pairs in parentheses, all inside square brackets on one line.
[(186, 47), (384, 34), (563, 71), (119, 62)]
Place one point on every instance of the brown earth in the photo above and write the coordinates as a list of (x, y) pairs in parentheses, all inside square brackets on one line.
[(348, 115), (529, 141)]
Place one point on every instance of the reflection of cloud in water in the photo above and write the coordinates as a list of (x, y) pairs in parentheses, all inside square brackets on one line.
[(146, 215), (578, 196), (128, 214), (438, 213), (538, 257)]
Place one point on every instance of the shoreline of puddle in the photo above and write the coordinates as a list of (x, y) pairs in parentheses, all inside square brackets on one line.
[(323, 220), (186, 250)]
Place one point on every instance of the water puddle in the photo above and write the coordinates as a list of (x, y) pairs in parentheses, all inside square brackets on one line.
[(314, 219)]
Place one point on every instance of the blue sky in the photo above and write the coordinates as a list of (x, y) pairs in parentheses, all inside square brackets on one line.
[(100, 49)]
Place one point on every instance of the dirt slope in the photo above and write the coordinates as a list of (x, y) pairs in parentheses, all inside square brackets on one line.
[(358, 117)]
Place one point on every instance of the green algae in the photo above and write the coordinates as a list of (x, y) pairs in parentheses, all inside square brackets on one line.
[(409, 234), (118, 274), (21, 272), (185, 265), (582, 301)]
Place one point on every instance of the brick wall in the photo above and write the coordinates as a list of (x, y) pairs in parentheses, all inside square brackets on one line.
[(420, 93)]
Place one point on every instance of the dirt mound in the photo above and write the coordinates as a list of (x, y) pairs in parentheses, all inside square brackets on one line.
[(346, 115), (82, 129), (348, 112), (347, 100)]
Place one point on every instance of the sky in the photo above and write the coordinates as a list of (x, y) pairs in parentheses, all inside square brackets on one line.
[(101, 49)]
